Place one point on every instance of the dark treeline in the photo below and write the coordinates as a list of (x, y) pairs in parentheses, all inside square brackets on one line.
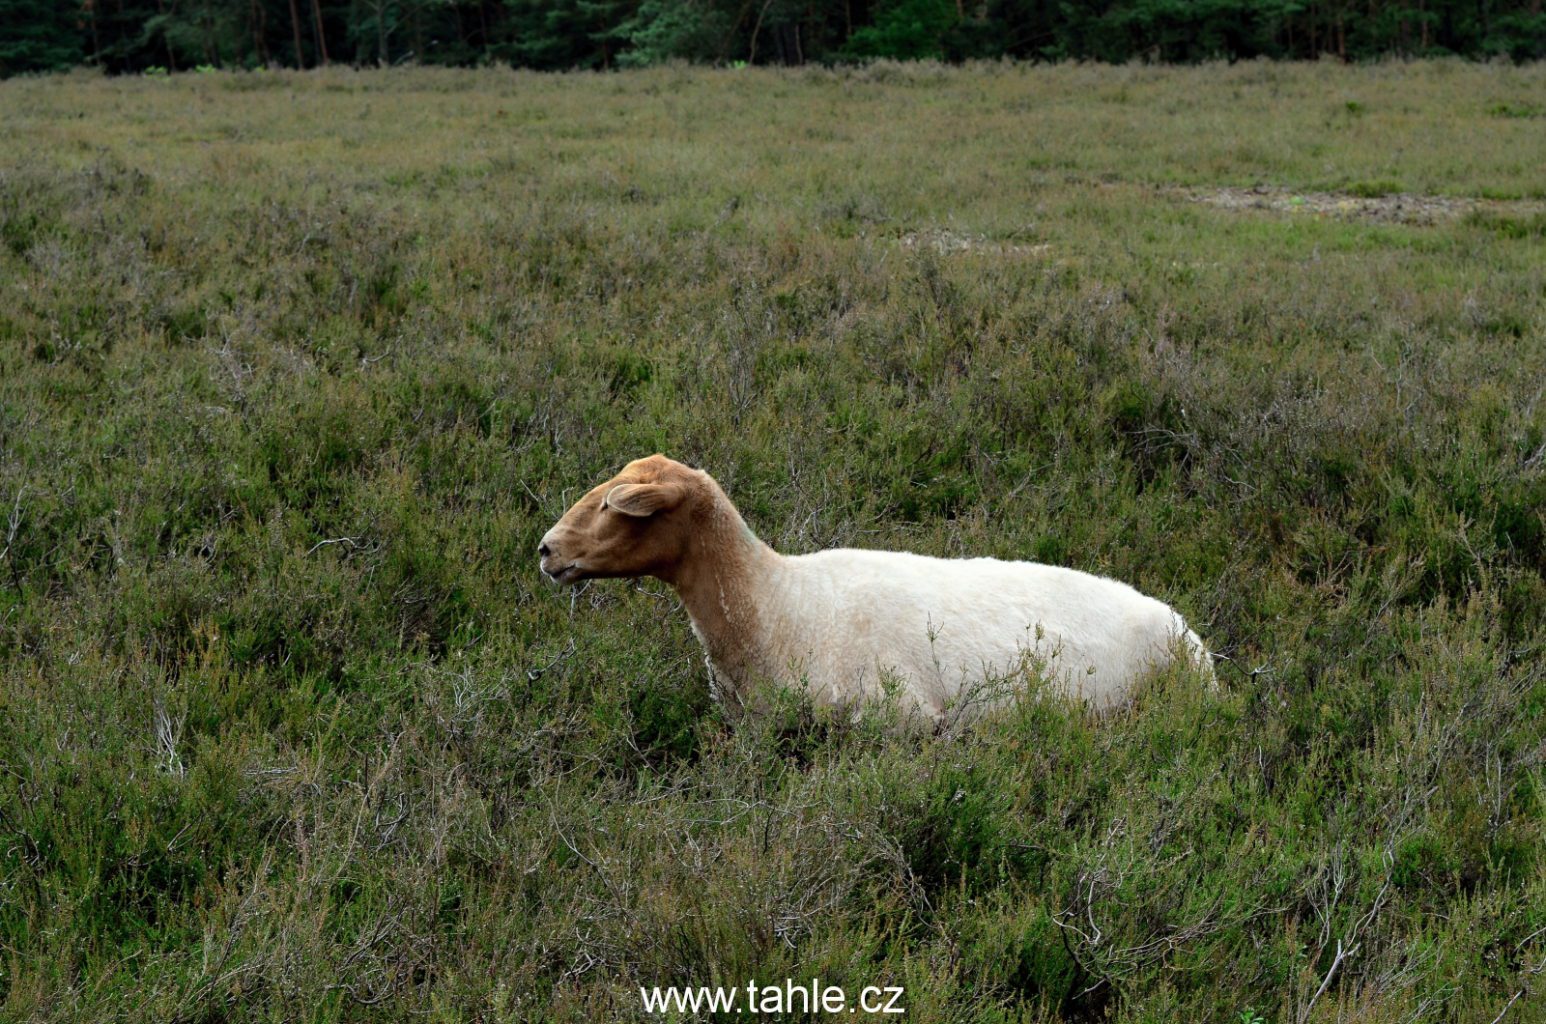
[(141, 35)]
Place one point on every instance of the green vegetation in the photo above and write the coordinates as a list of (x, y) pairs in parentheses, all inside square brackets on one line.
[(134, 35), (296, 369)]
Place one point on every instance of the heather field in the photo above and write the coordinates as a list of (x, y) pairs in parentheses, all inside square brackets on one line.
[(296, 368)]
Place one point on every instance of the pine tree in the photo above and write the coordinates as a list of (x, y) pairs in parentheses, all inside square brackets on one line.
[(39, 35)]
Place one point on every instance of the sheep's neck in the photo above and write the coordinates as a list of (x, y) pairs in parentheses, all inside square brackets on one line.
[(716, 583)]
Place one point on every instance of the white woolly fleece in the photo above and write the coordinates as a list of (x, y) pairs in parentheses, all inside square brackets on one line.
[(843, 621)]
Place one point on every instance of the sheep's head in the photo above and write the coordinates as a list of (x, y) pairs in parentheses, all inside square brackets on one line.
[(638, 523)]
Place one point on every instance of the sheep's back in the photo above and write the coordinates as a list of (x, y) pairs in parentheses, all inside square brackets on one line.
[(846, 618)]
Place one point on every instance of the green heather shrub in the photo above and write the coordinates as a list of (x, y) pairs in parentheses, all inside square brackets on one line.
[(292, 380)]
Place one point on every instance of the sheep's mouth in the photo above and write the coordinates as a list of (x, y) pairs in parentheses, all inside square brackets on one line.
[(568, 574)]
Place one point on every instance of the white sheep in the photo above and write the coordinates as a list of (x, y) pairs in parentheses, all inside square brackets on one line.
[(847, 623)]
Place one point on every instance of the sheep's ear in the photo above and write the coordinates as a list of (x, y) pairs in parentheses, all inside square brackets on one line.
[(643, 499)]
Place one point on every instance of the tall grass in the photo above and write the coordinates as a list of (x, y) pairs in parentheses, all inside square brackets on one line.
[(295, 370)]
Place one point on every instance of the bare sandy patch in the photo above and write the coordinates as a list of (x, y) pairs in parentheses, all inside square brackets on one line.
[(1397, 208), (955, 243)]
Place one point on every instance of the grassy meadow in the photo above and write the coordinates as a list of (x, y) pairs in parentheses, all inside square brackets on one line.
[(296, 368)]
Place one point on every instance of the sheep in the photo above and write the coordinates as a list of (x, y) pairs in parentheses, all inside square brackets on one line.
[(849, 624)]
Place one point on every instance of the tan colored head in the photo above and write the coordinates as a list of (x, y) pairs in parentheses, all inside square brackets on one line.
[(639, 523)]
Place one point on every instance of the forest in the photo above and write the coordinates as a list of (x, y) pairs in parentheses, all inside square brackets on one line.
[(156, 36)]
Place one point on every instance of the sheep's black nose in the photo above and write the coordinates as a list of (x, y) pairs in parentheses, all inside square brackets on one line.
[(543, 550)]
